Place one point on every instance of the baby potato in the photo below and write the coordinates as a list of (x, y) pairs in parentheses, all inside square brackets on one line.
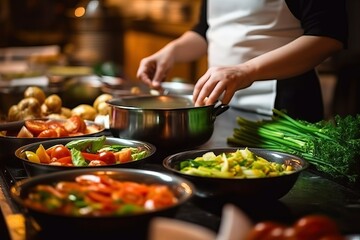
[(85, 111), (35, 92), (53, 104), (101, 99)]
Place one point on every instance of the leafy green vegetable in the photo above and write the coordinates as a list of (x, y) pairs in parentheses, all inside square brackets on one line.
[(77, 158), (89, 145), (332, 147)]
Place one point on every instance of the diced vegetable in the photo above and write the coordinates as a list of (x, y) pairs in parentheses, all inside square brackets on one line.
[(239, 164)]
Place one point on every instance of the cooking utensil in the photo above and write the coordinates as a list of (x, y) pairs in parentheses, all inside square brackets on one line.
[(168, 122), (34, 169), (105, 227), (240, 188)]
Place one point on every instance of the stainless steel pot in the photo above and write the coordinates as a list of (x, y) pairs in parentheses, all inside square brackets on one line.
[(168, 122)]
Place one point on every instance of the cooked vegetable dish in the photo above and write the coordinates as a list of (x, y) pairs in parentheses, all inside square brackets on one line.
[(239, 164), (99, 195)]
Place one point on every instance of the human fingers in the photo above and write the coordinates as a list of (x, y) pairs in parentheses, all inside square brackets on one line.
[(209, 89), (146, 71)]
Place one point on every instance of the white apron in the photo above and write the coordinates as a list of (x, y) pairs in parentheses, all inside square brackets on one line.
[(240, 30)]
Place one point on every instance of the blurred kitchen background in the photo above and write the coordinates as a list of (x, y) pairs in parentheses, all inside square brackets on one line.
[(121, 32)]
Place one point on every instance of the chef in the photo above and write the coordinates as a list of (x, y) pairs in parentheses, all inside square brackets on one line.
[(262, 54)]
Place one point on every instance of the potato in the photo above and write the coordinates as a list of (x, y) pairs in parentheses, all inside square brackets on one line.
[(101, 99), (35, 92), (85, 111), (52, 104)]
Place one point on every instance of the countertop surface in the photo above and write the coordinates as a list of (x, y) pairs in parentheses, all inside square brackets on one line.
[(312, 193)]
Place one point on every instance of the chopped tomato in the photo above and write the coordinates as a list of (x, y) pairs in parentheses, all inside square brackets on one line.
[(64, 160), (124, 155), (43, 156), (36, 126), (90, 156), (48, 133), (75, 124), (32, 157)]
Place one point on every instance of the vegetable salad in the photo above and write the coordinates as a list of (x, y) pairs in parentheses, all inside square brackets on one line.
[(239, 164)]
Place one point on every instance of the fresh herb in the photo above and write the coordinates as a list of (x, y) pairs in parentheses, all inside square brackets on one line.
[(332, 147)]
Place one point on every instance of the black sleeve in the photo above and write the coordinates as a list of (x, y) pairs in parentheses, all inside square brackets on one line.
[(201, 26), (322, 17)]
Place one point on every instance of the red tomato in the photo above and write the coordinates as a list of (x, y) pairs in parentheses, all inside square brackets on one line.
[(90, 156), (315, 226), (97, 163), (124, 155), (35, 126), (107, 157), (262, 231), (60, 151), (48, 133), (75, 124), (64, 160)]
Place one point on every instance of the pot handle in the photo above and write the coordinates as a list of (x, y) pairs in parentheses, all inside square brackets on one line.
[(220, 109)]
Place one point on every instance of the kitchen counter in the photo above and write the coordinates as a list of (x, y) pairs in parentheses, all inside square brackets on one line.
[(312, 193)]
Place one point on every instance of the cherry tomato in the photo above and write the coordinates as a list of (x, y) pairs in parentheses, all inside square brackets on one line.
[(262, 231), (315, 226), (48, 133), (97, 163), (75, 124), (35, 126), (60, 151), (107, 157)]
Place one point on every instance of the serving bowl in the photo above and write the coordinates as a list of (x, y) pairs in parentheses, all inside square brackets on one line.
[(126, 226), (10, 142), (271, 188), (168, 122), (35, 168)]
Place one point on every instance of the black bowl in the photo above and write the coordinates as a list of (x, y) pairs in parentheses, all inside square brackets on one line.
[(115, 227), (271, 188), (33, 169), (9, 144)]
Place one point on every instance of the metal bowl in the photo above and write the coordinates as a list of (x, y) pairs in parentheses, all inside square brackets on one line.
[(107, 227), (168, 122), (34, 169), (247, 188), (9, 144)]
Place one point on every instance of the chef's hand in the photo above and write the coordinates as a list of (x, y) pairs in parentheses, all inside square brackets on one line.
[(220, 82), (153, 69)]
